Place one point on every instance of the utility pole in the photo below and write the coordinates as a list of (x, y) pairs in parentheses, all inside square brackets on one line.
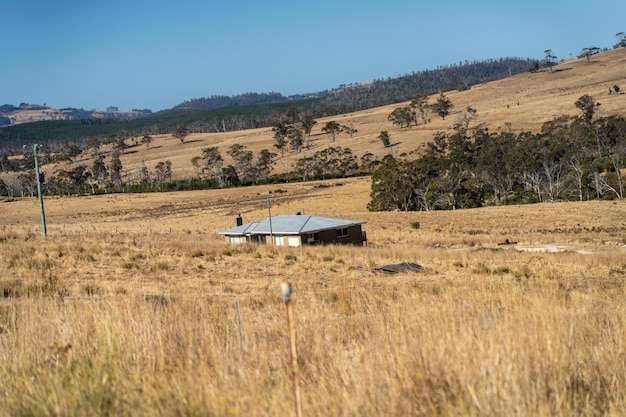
[(269, 213), (38, 176)]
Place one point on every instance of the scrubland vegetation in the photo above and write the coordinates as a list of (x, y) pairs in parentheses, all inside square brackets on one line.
[(128, 308)]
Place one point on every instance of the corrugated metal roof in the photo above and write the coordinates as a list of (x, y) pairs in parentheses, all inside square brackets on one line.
[(291, 225)]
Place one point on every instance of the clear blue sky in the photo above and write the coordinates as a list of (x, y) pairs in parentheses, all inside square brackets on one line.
[(155, 54)]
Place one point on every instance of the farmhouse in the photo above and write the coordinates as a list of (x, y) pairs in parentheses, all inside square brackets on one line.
[(298, 230)]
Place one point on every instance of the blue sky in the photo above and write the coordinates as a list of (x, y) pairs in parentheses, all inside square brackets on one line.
[(156, 54)]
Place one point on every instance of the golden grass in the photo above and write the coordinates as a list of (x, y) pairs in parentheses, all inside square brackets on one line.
[(128, 308)]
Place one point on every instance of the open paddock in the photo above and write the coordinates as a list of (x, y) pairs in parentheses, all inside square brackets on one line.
[(128, 308)]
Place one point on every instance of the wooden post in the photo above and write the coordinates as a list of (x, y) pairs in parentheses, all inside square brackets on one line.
[(241, 339), (286, 290)]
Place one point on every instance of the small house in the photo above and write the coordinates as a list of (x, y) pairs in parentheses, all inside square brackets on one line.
[(298, 230)]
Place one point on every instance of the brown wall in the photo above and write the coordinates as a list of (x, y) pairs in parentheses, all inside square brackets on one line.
[(355, 237)]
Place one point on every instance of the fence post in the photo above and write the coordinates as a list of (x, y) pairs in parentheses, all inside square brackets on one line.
[(286, 290)]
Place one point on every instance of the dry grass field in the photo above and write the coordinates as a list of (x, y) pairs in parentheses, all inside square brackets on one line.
[(128, 308)]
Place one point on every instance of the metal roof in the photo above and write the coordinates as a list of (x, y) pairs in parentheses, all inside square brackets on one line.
[(290, 225)]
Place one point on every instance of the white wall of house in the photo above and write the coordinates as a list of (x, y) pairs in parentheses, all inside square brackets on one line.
[(237, 240), (293, 241)]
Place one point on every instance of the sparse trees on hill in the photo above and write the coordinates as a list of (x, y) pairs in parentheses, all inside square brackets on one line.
[(571, 158)]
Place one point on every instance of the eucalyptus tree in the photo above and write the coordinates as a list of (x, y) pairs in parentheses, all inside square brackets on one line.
[(263, 166), (402, 116), (549, 59), (100, 172), (306, 122), (384, 138), (295, 136), (115, 169), (281, 130), (442, 106), (214, 162), (146, 140), (180, 133), (332, 128), (588, 51), (420, 107), (588, 106), (244, 162), (162, 173)]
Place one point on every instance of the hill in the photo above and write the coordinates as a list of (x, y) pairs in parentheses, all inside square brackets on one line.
[(29, 113), (520, 103), (250, 110)]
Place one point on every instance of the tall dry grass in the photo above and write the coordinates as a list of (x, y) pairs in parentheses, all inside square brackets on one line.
[(97, 320)]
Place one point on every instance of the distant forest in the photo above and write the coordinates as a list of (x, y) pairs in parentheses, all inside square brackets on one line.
[(253, 110)]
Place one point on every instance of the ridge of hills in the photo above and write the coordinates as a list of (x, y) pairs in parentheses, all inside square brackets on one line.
[(32, 123), (523, 102), (29, 113)]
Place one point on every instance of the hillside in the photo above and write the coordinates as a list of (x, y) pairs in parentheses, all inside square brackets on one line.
[(244, 111), (520, 103), (29, 113)]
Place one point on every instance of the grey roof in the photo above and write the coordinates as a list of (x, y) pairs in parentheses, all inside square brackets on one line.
[(291, 225)]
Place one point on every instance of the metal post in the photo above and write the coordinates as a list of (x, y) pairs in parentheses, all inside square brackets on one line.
[(38, 177), (269, 213)]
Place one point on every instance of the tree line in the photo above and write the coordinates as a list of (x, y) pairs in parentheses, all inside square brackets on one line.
[(572, 158)]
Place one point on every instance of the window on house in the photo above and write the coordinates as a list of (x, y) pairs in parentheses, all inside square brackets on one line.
[(312, 238), (343, 232)]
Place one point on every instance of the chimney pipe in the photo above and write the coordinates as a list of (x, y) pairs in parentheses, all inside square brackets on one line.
[(239, 220)]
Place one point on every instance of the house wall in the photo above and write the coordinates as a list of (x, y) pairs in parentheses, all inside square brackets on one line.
[(287, 240), (354, 236)]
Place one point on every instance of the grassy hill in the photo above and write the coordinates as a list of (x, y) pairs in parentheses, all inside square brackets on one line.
[(250, 110), (520, 103)]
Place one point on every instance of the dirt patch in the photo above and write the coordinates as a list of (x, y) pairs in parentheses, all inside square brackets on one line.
[(553, 248)]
